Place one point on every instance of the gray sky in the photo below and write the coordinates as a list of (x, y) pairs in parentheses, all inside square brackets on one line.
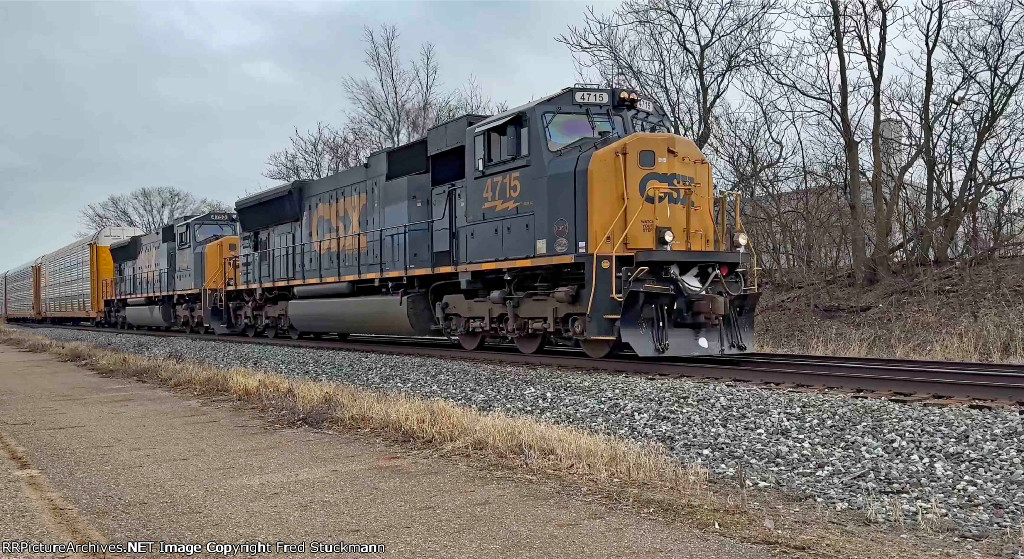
[(98, 98)]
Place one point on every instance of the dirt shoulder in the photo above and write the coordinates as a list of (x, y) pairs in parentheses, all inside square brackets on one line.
[(137, 462)]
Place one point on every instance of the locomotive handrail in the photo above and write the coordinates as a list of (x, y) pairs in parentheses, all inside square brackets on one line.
[(738, 221), (158, 282), (222, 270), (622, 210), (686, 228), (271, 256)]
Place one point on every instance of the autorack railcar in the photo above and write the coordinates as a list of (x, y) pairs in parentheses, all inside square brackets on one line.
[(64, 286), (577, 218), (21, 293)]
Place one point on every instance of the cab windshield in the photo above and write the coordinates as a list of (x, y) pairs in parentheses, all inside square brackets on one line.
[(207, 231), (641, 124), (563, 129)]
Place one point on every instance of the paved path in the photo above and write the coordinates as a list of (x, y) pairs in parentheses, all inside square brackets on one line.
[(118, 460)]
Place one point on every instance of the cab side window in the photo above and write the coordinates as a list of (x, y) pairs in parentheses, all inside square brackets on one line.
[(502, 143), (183, 238)]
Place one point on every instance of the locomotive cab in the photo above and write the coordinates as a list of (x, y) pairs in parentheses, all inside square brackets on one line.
[(678, 266)]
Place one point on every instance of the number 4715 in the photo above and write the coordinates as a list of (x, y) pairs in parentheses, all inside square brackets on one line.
[(492, 189)]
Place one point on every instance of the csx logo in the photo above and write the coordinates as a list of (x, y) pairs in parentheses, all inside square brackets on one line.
[(674, 196), (336, 223)]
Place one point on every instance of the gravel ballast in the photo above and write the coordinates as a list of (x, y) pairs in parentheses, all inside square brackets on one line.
[(865, 454)]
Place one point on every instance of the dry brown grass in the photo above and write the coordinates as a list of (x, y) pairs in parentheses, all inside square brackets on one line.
[(993, 340), (438, 423), (945, 315), (930, 517)]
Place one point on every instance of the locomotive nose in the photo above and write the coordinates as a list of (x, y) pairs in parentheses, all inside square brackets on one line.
[(652, 211), (663, 187)]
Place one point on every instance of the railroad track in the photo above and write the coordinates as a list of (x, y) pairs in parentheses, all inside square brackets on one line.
[(930, 382)]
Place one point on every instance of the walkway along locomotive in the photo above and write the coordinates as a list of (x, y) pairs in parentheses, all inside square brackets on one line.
[(576, 218)]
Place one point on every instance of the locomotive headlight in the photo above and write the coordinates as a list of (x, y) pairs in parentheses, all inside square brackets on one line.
[(741, 240), (624, 96), (666, 236), (634, 97)]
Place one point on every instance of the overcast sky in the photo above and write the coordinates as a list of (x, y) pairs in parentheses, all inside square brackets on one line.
[(98, 98)]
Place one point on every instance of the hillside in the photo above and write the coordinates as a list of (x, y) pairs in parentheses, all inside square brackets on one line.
[(950, 314)]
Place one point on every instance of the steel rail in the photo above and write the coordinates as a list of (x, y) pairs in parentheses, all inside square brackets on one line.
[(987, 381), (885, 362)]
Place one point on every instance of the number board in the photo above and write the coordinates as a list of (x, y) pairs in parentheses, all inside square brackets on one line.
[(591, 97), (645, 105), (222, 217), (493, 192)]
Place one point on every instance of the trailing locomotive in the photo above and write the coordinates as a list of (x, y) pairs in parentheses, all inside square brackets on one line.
[(576, 218), (163, 278)]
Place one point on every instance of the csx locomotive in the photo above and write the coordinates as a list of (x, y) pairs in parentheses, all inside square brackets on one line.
[(577, 218)]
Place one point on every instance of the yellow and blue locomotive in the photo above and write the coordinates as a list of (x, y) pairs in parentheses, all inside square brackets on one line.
[(164, 279), (574, 219)]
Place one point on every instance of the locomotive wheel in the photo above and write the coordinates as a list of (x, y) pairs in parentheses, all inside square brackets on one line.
[(186, 325), (271, 331), (598, 349), (294, 333), (531, 343), (471, 341)]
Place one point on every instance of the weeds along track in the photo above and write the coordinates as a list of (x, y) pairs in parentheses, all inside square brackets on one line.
[(929, 382)]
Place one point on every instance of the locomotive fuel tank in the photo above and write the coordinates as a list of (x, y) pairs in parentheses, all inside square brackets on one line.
[(393, 315), (157, 316)]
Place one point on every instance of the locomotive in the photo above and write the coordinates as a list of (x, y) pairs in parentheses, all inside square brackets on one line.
[(162, 277), (575, 219)]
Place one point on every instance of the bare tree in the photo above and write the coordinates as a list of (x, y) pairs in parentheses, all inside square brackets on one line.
[(148, 208), (686, 54), (898, 126), (871, 29), (317, 153), (399, 101), (930, 21), (396, 102), (984, 148), (815, 68)]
